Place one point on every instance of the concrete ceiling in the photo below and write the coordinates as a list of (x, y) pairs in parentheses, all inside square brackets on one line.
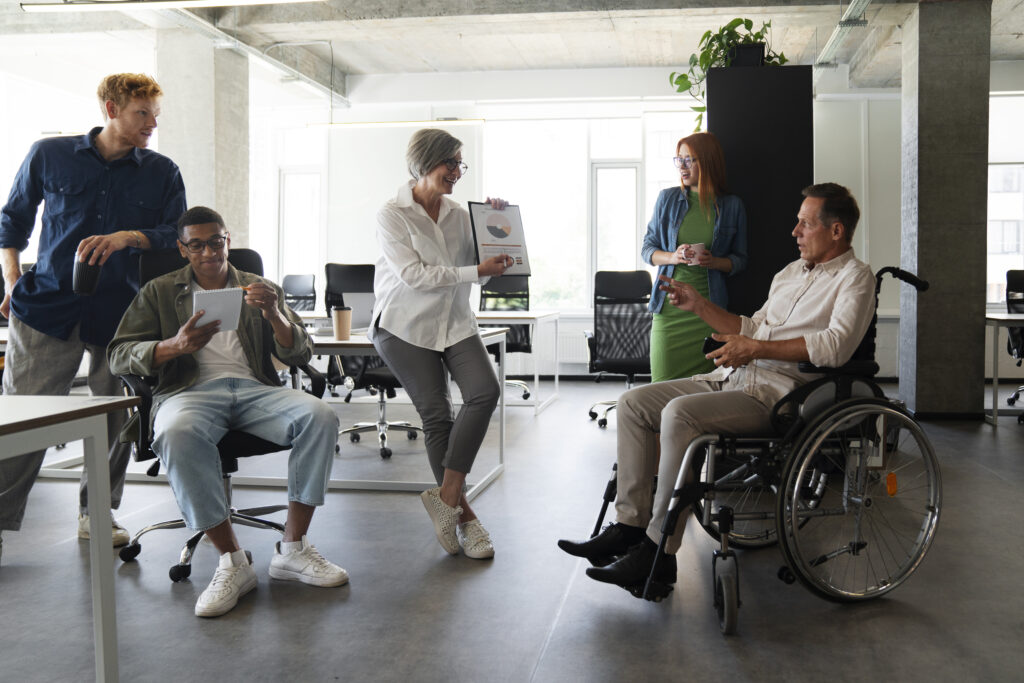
[(403, 36)]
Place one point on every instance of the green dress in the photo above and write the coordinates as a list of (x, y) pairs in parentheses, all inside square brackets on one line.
[(677, 336)]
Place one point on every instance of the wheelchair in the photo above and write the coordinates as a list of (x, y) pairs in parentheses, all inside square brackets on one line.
[(848, 487)]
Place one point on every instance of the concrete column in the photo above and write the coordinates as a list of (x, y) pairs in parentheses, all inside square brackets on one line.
[(204, 125), (946, 46)]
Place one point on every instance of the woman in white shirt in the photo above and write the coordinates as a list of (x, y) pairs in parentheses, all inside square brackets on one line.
[(423, 327)]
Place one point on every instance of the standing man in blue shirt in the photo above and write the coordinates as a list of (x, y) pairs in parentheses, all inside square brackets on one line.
[(105, 198)]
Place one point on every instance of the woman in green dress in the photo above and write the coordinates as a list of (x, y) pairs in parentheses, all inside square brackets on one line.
[(697, 235)]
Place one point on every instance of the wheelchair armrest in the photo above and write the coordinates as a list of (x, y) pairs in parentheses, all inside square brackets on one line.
[(861, 368)]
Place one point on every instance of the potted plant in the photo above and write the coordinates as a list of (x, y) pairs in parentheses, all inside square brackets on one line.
[(734, 44)]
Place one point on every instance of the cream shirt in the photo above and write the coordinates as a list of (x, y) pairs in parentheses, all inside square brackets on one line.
[(829, 305), (425, 273)]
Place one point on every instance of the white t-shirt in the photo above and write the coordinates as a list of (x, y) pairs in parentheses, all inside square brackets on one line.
[(222, 356)]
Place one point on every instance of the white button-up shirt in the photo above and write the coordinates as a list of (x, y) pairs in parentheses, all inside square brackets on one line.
[(829, 305), (425, 273)]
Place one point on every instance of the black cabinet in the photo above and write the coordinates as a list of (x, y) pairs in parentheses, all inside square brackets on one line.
[(764, 118)]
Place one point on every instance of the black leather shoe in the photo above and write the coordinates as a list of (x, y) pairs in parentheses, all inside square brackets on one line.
[(614, 540), (632, 569)]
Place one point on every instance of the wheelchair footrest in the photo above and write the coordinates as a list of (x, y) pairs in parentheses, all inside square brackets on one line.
[(656, 591)]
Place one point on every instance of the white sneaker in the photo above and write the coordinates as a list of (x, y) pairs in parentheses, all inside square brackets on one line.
[(119, 533), (230, 582), (444, 517), (306, 565), (475, 540)]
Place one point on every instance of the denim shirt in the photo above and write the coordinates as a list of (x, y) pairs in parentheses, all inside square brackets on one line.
[(729, 241), (86, 195)]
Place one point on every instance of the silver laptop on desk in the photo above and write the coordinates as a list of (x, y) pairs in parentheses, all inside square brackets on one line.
[(361, 304)]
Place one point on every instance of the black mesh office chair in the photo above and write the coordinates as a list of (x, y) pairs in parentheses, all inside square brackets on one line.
[(1015, 338), (299, 292), (352, 286), (621, 341), (234, 445), (510, 293)]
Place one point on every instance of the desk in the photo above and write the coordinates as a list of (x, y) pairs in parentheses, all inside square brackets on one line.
[(30, 423), (535, 318), (995, 321), (361, 346)]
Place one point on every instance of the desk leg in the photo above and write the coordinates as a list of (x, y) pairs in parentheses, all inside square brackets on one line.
[(993, 417), (501, 403), (101, 561)]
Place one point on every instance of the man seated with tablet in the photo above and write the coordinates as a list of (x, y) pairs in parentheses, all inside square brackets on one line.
[(210, 381)]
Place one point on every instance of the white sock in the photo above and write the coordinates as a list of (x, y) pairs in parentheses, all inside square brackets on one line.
[(238, 558), (291, 546)]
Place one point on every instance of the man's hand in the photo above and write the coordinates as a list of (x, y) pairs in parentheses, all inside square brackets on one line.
[(737, 352), (680, 294), (98, 248), (260, 296), (190, 338)]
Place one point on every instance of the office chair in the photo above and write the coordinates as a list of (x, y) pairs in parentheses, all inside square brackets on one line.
[(299, 293), (352, 286), (1015, 337), (621, 341), (235, 444), (510, 293)]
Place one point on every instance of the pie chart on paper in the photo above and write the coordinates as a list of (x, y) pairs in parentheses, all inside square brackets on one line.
[(499, 226)]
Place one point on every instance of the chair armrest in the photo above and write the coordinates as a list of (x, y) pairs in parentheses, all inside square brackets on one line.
[(141, 387), (317, 381)]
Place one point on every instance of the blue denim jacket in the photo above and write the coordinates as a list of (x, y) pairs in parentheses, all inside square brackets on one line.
[(86, 195), (729, 241)]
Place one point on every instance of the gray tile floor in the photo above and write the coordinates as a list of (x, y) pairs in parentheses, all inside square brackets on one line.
[(412, 613)]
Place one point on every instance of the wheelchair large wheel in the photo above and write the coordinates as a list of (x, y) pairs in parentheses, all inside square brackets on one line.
[(860, 500), (734, 488)]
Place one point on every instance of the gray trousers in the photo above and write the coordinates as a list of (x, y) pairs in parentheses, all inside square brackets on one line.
[(38, 364), (672, 414), (452, 441)]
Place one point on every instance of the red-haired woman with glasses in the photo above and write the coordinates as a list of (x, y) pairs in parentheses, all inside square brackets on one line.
[(697, 235)]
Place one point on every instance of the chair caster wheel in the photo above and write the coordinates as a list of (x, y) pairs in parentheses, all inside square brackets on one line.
[(1020, 419), (354, 437), (130, 552), (593, 415), (526, 395), (385, 452), (602, 423), (411, 435), (180, 572), (337, 449), (786, 575), (1011, 400)]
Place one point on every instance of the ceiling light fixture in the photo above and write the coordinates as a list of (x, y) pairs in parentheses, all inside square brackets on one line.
[(135, 5)]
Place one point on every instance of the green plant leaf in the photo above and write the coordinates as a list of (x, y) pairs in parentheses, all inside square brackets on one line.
[(733, 24), (700, 109), (748, 24)]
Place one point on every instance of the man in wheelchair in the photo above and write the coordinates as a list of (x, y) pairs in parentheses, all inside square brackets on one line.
[(209, 381), (818, 309)]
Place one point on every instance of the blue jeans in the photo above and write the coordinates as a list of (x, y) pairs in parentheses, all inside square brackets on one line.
[(188, 426)]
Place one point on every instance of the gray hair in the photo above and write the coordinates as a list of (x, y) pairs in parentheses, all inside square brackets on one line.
[(428, 147)]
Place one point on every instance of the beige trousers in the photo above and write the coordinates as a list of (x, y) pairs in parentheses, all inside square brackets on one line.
[(674, 412)]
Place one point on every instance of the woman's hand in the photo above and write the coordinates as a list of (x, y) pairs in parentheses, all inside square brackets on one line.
[(496, 203), (679, 256), (496, 265)]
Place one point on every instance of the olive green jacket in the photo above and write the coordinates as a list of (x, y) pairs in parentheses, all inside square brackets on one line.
[(159, 310)]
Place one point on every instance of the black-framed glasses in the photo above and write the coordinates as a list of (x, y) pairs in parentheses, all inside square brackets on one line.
[(684, 162), (454, 163), (216, 243)]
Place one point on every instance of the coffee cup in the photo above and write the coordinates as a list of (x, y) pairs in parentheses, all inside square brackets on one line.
[(342, 317), (697, 250), (85, 278)]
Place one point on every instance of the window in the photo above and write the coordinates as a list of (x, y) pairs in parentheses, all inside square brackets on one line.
[(1005, 194)]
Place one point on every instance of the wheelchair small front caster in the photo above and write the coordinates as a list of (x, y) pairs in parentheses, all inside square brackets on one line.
[(727, 593), (130, 552), (180, 572), (786, 575)]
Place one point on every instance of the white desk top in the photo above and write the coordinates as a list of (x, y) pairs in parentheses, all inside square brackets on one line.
[(1003, 319), (513, 317), (18, 413), (362, 343)]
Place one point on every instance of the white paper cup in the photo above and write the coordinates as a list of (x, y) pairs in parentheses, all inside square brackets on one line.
[(342, 318)]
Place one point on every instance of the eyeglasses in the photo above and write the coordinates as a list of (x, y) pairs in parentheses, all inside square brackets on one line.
[(454, 163), (216, 243), (684, 162)]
